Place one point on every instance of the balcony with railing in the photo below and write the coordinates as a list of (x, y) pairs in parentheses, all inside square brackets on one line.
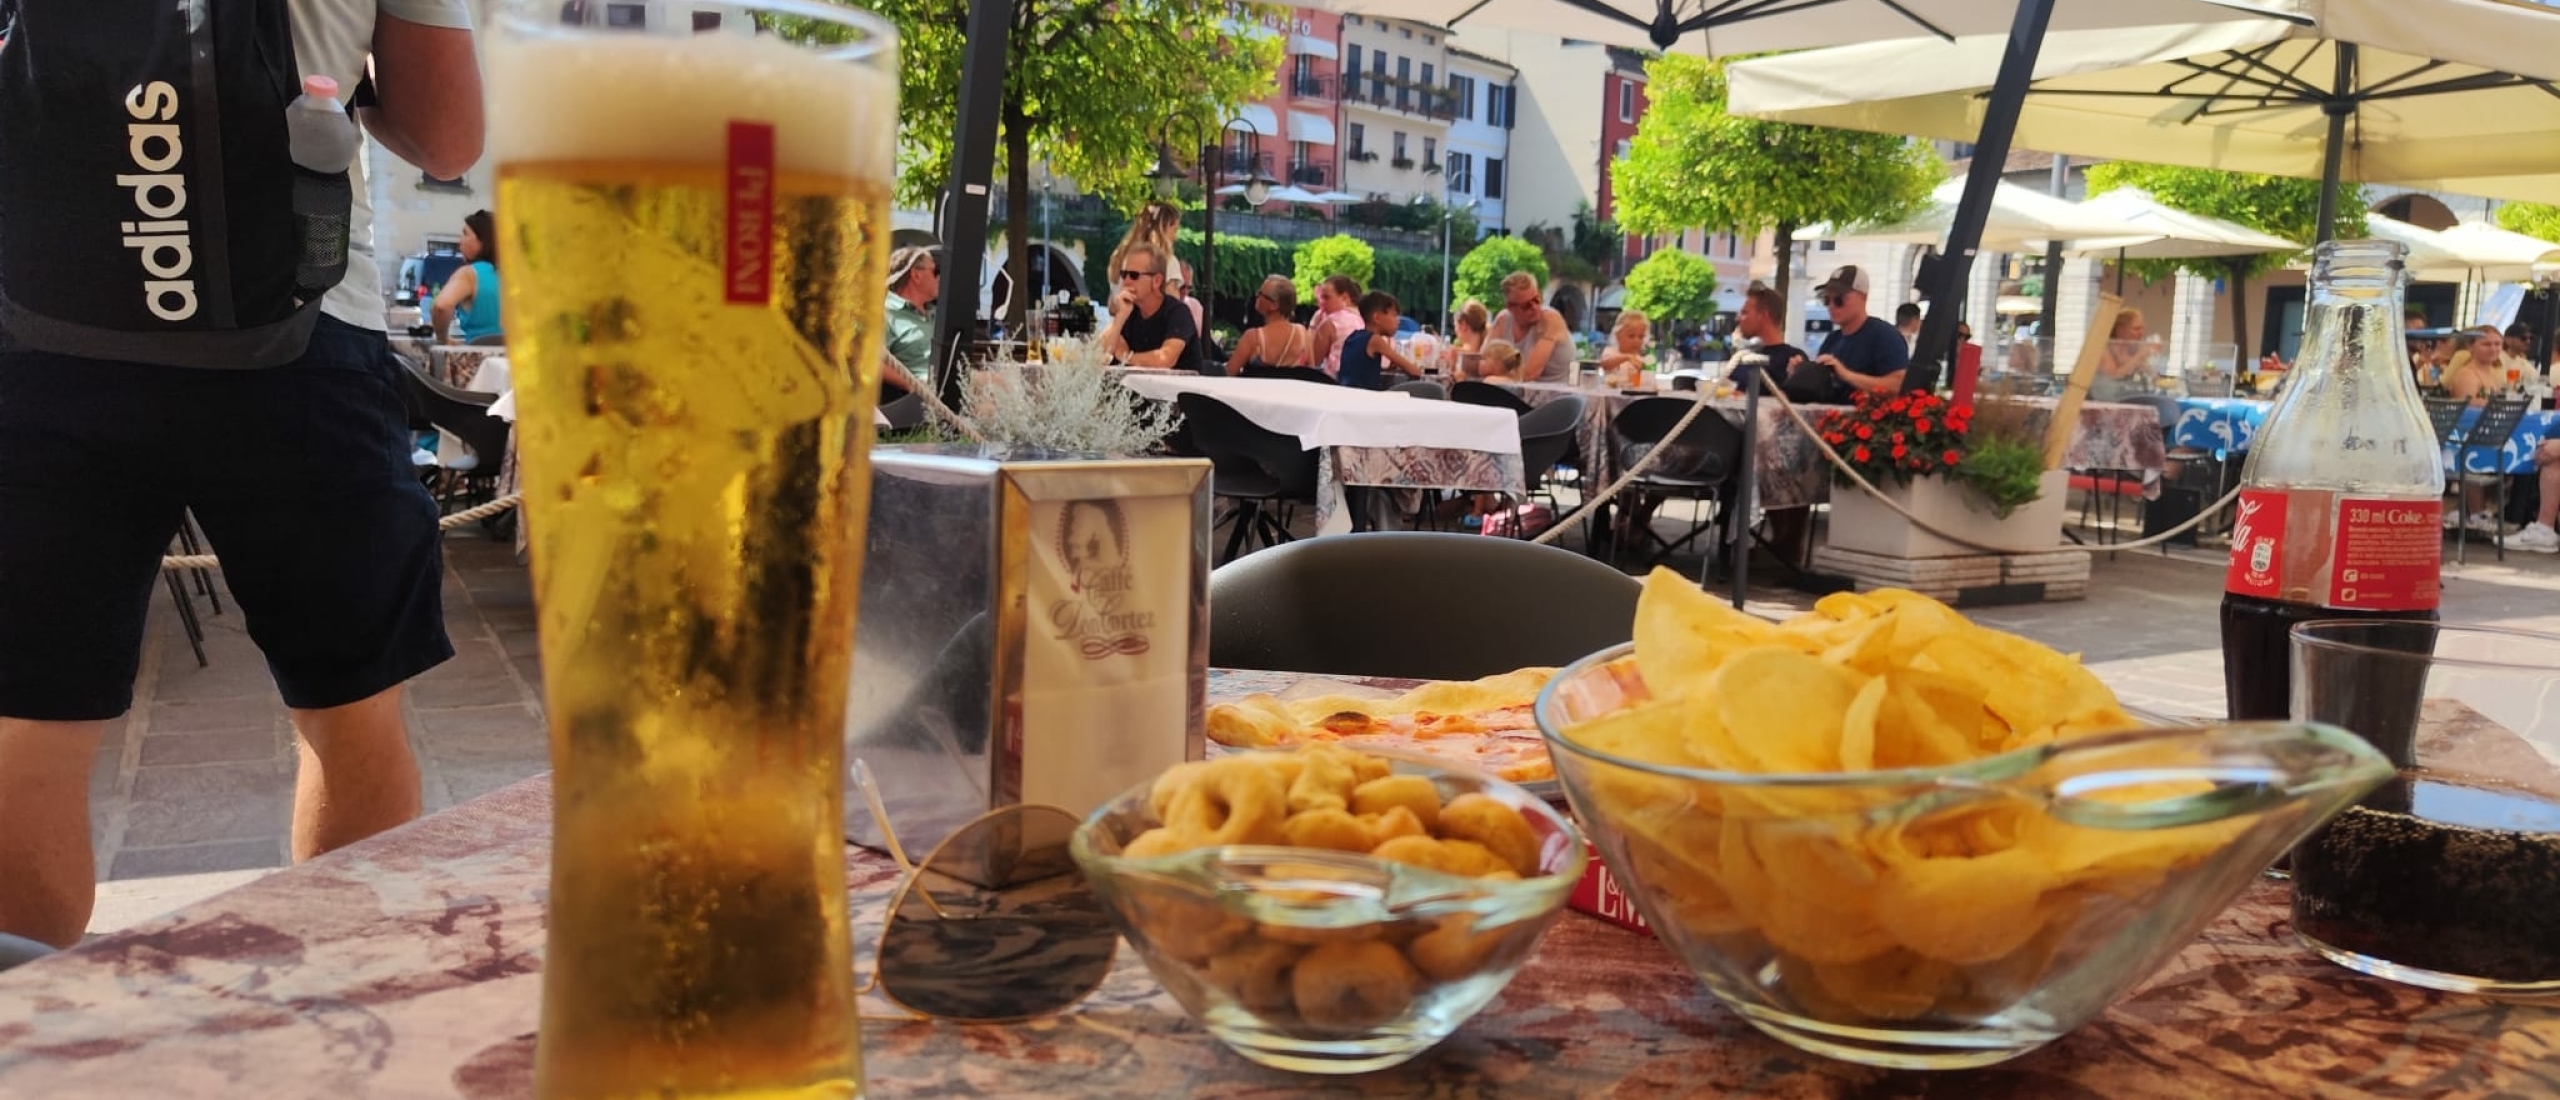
[(1407, 98), (1311, 87), (1402, 163), (1430, 167), (1311, 174)]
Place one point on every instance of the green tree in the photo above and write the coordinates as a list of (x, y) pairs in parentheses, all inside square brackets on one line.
[(1481, 273), (1339, 254), (1693, 165), (1597, 241), (2280, 205), (2533, 219), (1672, 285), (1089, 86)]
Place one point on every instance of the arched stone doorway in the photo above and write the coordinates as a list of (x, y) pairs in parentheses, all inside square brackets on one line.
[(1053, 269), (2423, 211)]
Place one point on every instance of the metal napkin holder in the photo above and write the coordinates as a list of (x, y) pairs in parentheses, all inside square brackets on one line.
[(1034, 627)]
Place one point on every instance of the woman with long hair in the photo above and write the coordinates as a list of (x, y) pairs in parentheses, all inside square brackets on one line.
[(2125, 368), (467, 310), (1279, 341)]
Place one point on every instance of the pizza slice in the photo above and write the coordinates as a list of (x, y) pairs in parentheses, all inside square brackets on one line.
[(1486, 724)]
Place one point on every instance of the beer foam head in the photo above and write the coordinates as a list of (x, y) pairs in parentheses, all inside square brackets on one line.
[(558, 95)]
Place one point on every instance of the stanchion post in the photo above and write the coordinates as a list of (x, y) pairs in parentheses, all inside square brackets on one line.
[(1747, 491)]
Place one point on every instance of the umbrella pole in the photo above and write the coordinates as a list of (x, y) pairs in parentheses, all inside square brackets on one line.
[(1990, 153), (2340, 105), (2120, 273), (973, 162)]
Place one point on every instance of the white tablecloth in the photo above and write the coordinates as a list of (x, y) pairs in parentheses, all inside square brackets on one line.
[(1335, 416)]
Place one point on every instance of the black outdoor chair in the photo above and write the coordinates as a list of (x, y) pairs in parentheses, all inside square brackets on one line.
[(464, 415), (2488, 437), (2444, 414), (1548, 434), (1425, 604), (1486, 393), (190, 542), (1422, 388), (1705, 465), (1258, 471)]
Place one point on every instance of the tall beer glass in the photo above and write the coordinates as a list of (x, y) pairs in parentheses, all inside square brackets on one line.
[(693, 224)]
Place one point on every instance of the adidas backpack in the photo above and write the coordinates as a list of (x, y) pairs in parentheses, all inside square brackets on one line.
[(147, 192)]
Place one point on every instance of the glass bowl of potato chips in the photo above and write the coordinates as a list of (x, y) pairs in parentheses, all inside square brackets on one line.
[(1883, 834), (1325, 910)]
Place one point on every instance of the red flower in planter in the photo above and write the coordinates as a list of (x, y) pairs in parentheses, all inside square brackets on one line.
[(1953, 458), (1899, 451), (1866, 431), (1922, 424), (1862, 455)]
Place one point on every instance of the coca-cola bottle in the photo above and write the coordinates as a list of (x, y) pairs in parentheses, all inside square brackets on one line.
[(2338, 513)]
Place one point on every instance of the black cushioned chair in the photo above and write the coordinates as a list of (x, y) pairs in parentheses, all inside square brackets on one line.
[(1486, 393), (1704, 464), (1424, 604), (1258, 471)]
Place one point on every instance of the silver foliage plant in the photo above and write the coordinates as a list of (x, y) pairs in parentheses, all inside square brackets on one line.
[(1070, 403)]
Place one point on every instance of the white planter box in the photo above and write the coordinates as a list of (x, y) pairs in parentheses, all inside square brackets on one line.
[(1861, 524)]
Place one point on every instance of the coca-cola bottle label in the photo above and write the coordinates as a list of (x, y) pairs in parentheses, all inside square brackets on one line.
[(2350, 553)]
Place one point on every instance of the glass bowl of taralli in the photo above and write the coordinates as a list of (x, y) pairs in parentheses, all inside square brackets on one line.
[(1883, 834), (1330, 911)]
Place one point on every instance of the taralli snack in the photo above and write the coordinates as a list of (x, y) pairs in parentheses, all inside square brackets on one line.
[(1233, 884), (1875, 908)]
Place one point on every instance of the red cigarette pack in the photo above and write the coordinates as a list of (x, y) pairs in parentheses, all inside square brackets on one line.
[(1600, 895)]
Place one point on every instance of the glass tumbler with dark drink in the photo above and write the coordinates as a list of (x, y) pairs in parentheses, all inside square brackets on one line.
[(2340, 501), (2448, 875)]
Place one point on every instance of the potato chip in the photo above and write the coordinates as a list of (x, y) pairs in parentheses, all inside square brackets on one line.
[(1968, 910), (1682, 634), (1784, 709), (1892, 985), (1858, 729)]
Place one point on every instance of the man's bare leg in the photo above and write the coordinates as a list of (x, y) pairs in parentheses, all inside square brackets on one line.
[(48, 874), (2546, 459), (357, 776)]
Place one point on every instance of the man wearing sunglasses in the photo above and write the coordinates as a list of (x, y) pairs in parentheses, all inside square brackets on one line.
[(1149, 329), (1863, 353)]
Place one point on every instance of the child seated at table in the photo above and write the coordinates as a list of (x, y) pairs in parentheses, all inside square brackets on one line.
[(1368, 355), (1501, 361)]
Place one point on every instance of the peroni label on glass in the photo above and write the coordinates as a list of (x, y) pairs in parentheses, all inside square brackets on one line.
[(2371, 554), (746, 269)]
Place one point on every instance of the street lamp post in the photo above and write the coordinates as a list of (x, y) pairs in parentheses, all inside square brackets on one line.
[(1168, 175), (1448, 214)]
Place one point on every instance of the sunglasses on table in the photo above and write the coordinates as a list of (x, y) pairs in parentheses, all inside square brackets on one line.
[(995, 925)]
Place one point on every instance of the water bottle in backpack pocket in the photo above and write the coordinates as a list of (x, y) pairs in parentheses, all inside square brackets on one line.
[(151, 205)]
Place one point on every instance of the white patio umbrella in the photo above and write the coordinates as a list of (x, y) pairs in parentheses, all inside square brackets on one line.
[(1716, 28), (2428, 259), (2502, 255), (1286, 193), (2020, 219), (2453, 95), (2176, 234)]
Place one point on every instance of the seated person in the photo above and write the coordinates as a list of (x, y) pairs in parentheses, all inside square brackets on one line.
[(2539, 535), (1500, 361), (2479, 369), (1864, 354), (1368, 354), (906, 352), (1150, 329), (1277, 342), (2125, 368), (1626, 345), (1773, 358)]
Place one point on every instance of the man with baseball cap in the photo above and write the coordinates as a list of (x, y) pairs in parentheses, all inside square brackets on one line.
[(1864, 353)]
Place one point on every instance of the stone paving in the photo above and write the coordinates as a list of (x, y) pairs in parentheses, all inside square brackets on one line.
[(198, 781)]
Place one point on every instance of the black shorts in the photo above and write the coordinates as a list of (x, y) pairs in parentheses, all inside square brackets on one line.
[(300, 477)]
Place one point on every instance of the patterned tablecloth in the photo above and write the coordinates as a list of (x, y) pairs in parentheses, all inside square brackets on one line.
[(2226, 425), (2223, 425), (2517, 456), (410, 966), (1792, 472)]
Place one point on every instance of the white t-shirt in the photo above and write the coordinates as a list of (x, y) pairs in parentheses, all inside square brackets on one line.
[(332, 38)]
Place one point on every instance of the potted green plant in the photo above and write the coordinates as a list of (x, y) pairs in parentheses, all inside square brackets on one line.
[(1975, 472)]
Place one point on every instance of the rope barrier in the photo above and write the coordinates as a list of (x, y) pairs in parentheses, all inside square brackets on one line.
[(458, 519), (1633, 472)]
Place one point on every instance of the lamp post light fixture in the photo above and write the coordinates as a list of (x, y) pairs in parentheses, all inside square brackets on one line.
[(1448, 214), (1169, 175)]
